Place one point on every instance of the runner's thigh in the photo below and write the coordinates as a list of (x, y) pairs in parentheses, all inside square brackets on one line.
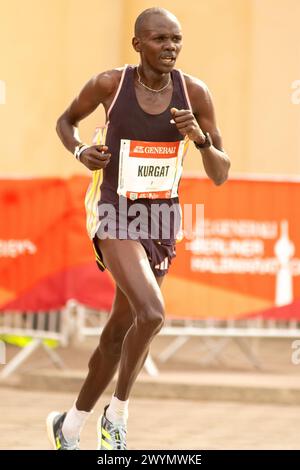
[(129, 265)]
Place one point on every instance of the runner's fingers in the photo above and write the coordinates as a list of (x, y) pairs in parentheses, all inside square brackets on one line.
[(99, 156), (101, 148), (186, 117), (97, 166), (186, 125), (98, 161), (178, 112)]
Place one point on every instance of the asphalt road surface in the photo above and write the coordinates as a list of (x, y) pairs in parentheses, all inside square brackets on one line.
[(156, 424)]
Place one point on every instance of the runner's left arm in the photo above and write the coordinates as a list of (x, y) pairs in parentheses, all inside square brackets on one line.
[(200, 119)]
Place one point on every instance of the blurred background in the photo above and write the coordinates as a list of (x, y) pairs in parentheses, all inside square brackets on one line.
[(246, 51), (230, 341)]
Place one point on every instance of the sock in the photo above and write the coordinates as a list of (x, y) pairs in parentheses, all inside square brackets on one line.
[(73, 424), (117, 412)]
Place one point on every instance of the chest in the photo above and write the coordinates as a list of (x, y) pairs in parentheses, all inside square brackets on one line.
[(153, 103)]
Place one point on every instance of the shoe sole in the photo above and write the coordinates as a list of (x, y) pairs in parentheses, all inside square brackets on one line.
[(49, 423), (99, 433)]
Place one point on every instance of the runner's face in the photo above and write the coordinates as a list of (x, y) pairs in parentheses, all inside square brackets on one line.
[(161, 43)]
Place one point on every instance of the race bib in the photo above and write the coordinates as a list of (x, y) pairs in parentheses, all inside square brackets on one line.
[(150, 169)]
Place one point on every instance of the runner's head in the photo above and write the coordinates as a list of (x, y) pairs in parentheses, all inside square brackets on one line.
[(158, 39)]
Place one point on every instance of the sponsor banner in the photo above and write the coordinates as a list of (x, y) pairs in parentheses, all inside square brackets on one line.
[(248, 262), (46, 257)]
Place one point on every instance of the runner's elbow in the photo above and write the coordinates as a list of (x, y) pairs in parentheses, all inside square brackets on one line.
[(222, 177)]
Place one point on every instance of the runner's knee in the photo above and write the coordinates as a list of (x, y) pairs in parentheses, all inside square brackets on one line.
[(150, 317)]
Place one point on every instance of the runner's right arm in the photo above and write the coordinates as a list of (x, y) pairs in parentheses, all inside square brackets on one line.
[(99, 89)]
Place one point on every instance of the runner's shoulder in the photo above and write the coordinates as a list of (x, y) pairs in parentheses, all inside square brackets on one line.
[(195, 83), (107, 82), (197, 90)]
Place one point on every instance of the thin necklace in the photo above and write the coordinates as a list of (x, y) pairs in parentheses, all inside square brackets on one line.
[(148, 87)]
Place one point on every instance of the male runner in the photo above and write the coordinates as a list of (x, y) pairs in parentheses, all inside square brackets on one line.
[(152, 111)]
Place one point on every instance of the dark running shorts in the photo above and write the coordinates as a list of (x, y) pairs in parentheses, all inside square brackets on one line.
[(159, 254)]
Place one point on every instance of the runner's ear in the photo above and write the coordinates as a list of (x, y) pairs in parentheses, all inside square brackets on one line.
[(136, 44)]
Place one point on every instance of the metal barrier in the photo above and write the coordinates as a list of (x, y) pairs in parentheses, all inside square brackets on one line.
[(38, 326), (91, 322), (215, 334)]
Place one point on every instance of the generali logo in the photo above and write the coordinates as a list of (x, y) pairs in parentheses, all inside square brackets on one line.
[(139, 149), (154, 149)]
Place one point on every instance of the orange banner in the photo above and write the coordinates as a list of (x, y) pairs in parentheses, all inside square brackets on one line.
[(46, 257), (248, 262)]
